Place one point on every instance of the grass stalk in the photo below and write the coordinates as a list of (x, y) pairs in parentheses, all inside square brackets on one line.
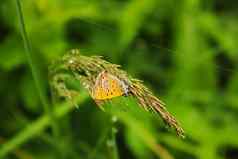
[(115, 149), (35, 70), (108, 135), (100, 142), (35, 128), (112, 143), (146, 136)]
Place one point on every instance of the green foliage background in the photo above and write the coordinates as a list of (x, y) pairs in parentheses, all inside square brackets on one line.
[(185, 51)]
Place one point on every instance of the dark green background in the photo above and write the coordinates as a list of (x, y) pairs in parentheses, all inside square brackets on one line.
[(185, 51)]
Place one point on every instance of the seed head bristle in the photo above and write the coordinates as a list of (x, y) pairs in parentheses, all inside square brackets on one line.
[(86, 70)]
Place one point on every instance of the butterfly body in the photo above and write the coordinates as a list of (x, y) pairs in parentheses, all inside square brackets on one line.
[(108, 86)]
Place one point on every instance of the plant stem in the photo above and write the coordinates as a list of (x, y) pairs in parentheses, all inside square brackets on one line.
[(36, 127), (110, 134), (100, 142), (35, 70), (112, 144), (115, 149)]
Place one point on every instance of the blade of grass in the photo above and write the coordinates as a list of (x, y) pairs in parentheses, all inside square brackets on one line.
[(100, 142), (35, 70), (112, 143), (36, 127), (108, 135), (133, 118), (146, 137), (21, 154), (115, 148)]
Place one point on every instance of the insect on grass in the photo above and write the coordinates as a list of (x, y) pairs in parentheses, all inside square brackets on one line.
[(105, 80)]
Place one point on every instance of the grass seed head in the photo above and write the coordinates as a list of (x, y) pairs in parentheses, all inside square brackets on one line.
[(86, 69)]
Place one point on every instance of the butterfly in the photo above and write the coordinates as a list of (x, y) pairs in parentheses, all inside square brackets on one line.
[(108, 86)]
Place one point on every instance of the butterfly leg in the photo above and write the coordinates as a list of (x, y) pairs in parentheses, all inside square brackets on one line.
[(100, 104)]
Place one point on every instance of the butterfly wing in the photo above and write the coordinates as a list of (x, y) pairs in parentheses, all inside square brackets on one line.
[(108, 86)]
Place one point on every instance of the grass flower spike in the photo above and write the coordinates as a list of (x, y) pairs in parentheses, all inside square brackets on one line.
[(104, 81)]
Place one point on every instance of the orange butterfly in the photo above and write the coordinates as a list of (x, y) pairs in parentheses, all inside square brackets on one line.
[(108, 86)]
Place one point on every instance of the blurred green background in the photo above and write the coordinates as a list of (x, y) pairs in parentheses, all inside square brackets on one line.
[(185, 51)]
